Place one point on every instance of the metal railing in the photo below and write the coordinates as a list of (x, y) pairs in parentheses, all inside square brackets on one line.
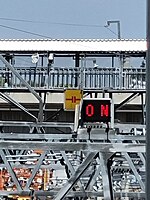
[(69, 77)]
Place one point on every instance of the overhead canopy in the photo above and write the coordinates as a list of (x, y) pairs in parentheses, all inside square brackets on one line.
[(104, 46)]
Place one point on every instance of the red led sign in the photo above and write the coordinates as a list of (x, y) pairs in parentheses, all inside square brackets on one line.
[(96, 110)]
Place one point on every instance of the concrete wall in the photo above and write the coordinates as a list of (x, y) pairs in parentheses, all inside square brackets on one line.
[(59, 98)]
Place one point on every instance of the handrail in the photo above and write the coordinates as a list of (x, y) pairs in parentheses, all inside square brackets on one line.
[(70, 77)]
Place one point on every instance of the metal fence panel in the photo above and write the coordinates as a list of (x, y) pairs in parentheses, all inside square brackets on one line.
[(69, 77)]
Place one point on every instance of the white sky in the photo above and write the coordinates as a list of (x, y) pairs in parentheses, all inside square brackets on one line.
[(50, 16)]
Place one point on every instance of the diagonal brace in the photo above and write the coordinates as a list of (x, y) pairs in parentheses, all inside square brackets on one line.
[(75, 177), (12, 173)]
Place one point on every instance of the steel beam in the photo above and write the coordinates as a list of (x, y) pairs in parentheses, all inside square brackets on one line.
[(71, 169), (13, 175), (36, 168), (148, 104), (75, 177), (68, 136), (73, 146), (106, 184), (21, 107), (52, 193), (40, 117), (128, 99), (93, 179), (38, 124), (127, 157)]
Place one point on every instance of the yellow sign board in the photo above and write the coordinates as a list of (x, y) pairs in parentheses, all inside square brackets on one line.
[(72, 98)]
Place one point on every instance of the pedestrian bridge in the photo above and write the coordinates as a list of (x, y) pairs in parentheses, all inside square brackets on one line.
[(76, 78), (45, 52)]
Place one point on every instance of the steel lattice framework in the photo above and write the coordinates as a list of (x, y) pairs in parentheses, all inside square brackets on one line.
[(90, 168), (81, 167)]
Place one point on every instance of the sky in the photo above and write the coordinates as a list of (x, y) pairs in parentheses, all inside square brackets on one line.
[(68, 19)]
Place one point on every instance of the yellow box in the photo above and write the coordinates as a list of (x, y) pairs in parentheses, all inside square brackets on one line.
[(72, 98)]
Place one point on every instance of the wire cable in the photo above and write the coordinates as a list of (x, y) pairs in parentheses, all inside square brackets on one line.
[(43, 36), (18, 20), (23, 31), (111, 31), (56, 23)]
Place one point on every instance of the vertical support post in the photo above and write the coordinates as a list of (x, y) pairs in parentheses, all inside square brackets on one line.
[(83, 65), (77, 64), (118, 26), (76, 118), (107, 188), (77, 60), (121, 71), (112, 113), (110, 95), (148, 104), (103, 94), (112, 62), (142, 102), (113, 76), (42, 61)]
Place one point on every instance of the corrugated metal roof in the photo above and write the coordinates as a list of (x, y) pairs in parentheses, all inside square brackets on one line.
[(81, 45)]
